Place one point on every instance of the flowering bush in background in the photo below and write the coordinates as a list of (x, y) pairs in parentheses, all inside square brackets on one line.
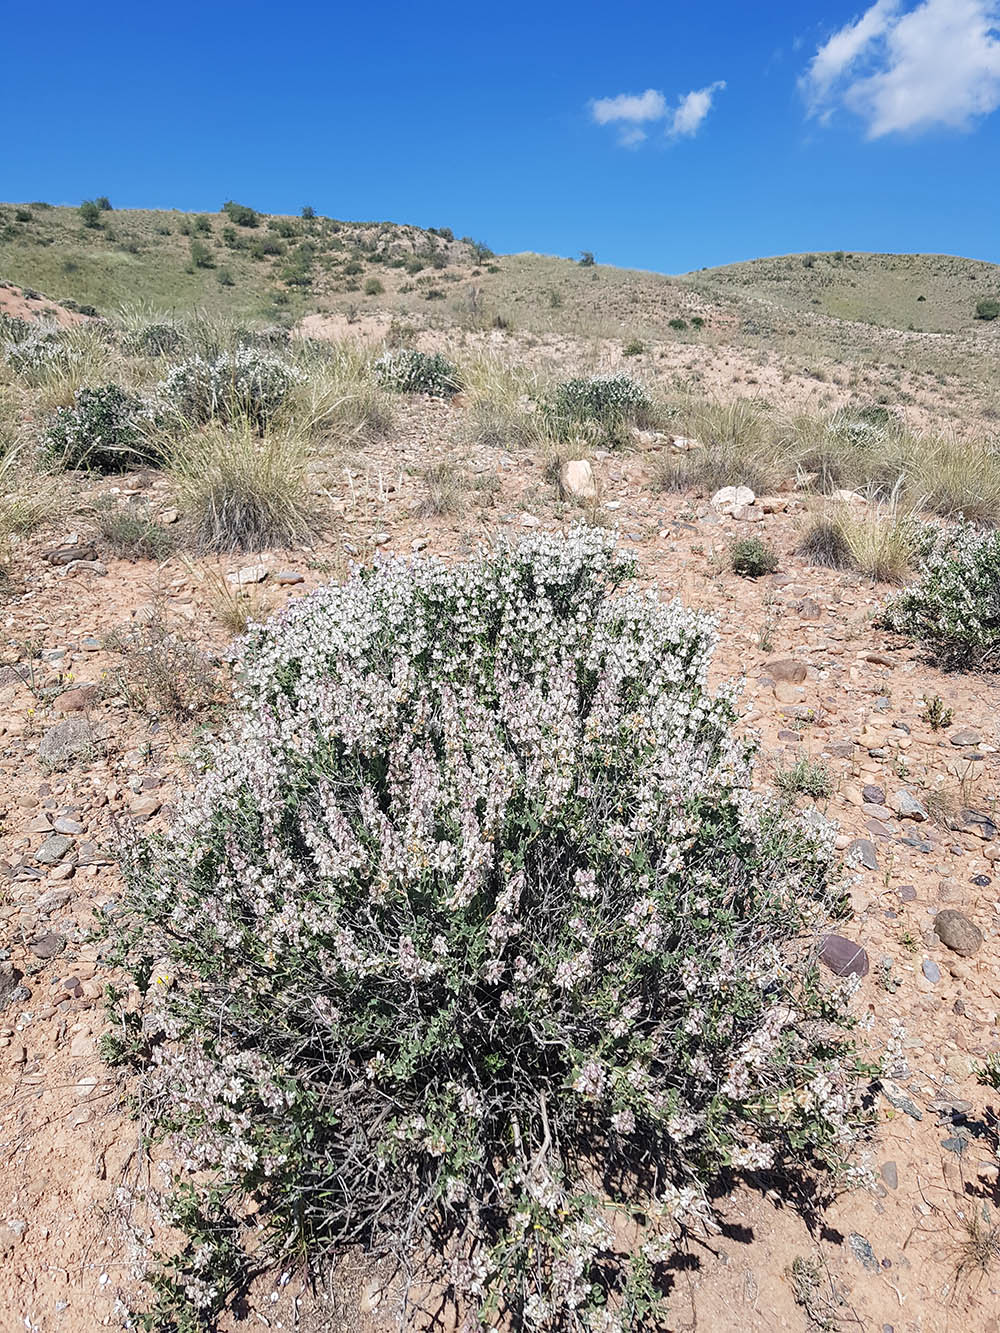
[(954, 606), (474, 942), (244, 384), (411, 371), (107, 429), (603, 406)]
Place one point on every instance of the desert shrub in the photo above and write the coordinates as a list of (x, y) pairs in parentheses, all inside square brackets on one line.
[(242, 491), (107, 429), (158, 338), (586, 259), (752, 557), (130, 532), (477, 939), (201, 255), (159, 671), (987, 308), (953, 608), (90, 213), (242, 384), (411, 371), (603, 406), (240, 214), (635, 347), (36, 350), (373, 287), (678, 324)]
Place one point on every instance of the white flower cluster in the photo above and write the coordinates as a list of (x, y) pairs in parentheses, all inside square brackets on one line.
[(474, 887), (244, 383)]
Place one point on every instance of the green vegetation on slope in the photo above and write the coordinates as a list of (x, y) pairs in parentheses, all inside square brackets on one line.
[(933, 293)]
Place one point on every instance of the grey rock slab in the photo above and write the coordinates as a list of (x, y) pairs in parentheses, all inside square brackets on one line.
[(862, 852), (900, 1099), (53, 849)]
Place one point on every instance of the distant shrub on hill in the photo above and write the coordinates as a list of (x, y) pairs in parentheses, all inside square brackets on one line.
[(240, 214), (987, 308), (90, 212)]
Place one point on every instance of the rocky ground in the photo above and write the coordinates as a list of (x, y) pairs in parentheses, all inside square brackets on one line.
[(915, 809)]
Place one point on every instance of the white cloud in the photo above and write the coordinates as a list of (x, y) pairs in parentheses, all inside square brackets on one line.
[(631, 111), (693, 108), (936, 64), (636, 107)]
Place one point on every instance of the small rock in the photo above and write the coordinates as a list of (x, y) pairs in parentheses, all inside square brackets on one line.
[(874, 795), (66, 825), (843, 956), (957, 932), (145, 807), (900, 1099), (169, 516), (862, 852), (48, 946), (787, 669), (907, 893), (907, 806), (732, 497), (577, 479), (288, 577), (931, 971), (249, 574), (86, 1086), (861, 1249), (962, 738), (76, 700), (889, 1174), (10, 983), (810, 610), (65, 555)]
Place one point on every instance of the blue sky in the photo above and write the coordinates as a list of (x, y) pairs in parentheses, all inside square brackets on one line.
[(657, 135)]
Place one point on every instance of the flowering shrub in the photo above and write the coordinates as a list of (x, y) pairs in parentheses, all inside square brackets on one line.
[(475, 940), (605, 403), (954, 606), (34, 350), (107, 430), (410, 371), (156, 339), (244, 383)]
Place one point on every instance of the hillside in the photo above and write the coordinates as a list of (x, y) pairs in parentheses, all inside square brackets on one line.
[(930, 293)]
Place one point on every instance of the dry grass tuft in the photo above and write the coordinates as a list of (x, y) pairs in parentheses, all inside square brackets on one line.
[(243, 492)]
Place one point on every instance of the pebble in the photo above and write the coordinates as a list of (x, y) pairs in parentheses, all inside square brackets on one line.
[(288, 577), (907, 806), (931, 971), (900, 1099), (787, 669), (889, 1174), (53, 849)]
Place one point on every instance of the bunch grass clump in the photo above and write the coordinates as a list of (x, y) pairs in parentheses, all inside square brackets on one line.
[(752, 557), (242, 491), (474, 939), (409, 370), (953, 607)]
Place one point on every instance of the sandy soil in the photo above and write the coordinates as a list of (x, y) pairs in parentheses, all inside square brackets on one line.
[(73, 1220)]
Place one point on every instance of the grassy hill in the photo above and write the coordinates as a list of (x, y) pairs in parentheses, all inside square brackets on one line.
[(932, 293)]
